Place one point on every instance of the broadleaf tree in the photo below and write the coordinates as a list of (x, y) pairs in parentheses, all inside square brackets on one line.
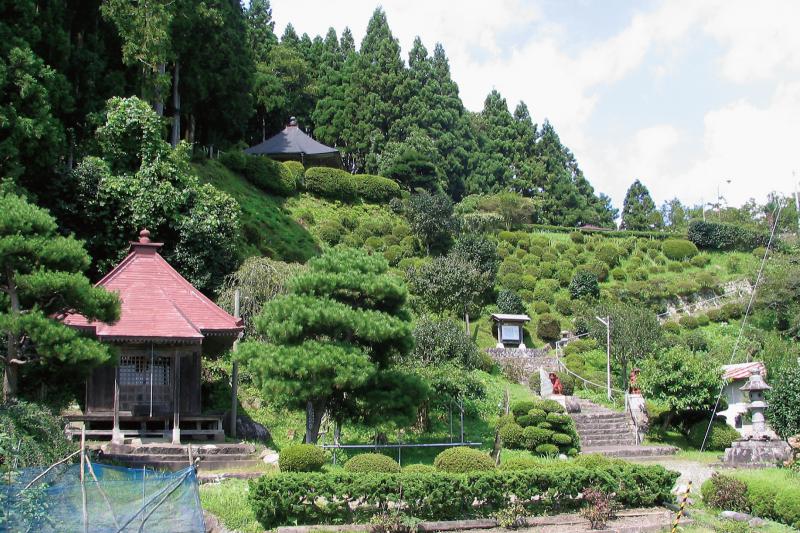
[(333, 341), (41, 277)]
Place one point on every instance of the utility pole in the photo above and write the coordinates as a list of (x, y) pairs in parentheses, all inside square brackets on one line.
[(235, 370), (607, 323)]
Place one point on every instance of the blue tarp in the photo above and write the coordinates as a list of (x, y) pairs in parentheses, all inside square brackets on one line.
[(122, 499)]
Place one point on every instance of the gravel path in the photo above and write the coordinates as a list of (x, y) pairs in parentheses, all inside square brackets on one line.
[(695, 471)]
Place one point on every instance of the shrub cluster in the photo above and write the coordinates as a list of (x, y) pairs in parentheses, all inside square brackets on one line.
[(541, 427), (301, 458), (720, 436), (718, 236), (376, 189), (764, 494), (461, 460), (31, 435), (548, 327), (372, 462), (292, 498), (678, 249)]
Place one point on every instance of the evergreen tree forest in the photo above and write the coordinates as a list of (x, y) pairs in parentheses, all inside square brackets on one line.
[(218, 77)]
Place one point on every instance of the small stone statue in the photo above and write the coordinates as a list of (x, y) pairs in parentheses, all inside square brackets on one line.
[(633, 388), (558, 388)]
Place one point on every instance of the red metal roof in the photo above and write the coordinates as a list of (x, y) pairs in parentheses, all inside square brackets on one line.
[(158, 304), (743, 370)]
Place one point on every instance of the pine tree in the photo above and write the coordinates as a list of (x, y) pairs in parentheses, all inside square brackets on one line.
[(41, 276), (260, 29), (639, 212), (494, 167), (333, 341)]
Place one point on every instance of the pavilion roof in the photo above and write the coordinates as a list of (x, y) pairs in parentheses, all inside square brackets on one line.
[(743, 370), (158, 304), (292, 141)]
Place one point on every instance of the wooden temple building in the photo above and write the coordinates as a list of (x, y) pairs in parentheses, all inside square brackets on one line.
[(165, 328)]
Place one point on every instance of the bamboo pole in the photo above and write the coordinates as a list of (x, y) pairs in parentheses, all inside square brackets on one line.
[(83, 479), (40, 476), (102, 492), (235, 369)]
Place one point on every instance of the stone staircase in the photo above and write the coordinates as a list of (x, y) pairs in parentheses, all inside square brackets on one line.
[(165, 456), (611, 433)]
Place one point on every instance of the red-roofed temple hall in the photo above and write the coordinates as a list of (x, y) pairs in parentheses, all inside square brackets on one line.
[(165, 328)]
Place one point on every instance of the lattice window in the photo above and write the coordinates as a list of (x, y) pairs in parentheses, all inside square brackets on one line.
[(142, 379)]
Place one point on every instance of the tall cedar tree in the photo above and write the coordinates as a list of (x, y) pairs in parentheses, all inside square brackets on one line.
[(332, 343), (41, 276), (639, 212)]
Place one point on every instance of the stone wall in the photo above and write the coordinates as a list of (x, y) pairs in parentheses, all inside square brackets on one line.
[(525, 362)]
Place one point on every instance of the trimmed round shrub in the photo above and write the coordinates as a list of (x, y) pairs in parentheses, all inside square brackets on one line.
[(520, 463), (563, 306), (701, 260), (714, 315), (547, 450), (270, 176), (703, 320), (545, 289), (584, 284), (522, 407), (301, 458), (595, 461), (534, 436), (330, 183), (372, 462), (640, 274), (671, 327), (720, 436), (619, 274), (675, 266), (597, 268), (505, 420), (576, 237), (724, 492), (510, 302), (551, 406), (418, 469), (548, 327), (688, 322), (462, 460), (525, 421), (235, 160), (761, 496), (560, 439), (678, 249), (545, 425), (537, 416), (376, 189), (331, 231), (759, 251), (512, 436), (297, 170), (558, 419), (609, 254), (540, 308)]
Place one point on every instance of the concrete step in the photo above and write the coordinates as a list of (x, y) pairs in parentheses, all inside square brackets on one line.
[(616, 441), (608, 427), (630, 451)]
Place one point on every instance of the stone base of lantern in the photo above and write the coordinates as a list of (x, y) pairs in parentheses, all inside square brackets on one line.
[(757, 453)]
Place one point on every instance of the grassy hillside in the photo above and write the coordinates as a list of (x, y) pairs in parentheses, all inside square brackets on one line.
[(268, 228)]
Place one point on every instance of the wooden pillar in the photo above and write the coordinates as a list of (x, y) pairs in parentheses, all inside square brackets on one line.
[(116, 434), (176, 402)]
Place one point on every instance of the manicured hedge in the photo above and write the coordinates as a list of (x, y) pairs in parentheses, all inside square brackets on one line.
[(297, 169), (461, 460), (301, 458), (331, 183), (376, 189), (678, 249), (372, 462), (264, 173), (717, 236), (720, 437), (293, 498), (767, 495), (611, 233)]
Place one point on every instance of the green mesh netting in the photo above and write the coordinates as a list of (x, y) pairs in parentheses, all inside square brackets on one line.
[(130, 500)]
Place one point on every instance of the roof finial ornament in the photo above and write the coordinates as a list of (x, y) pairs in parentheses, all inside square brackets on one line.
[(144, 236), (293, 121)]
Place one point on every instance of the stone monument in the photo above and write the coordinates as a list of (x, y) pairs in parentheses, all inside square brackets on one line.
[(761, 447)]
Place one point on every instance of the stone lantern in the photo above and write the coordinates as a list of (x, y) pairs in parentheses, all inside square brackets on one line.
[(761, 447), (755, 388)]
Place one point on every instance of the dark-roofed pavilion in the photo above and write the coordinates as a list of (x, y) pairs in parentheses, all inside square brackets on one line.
[(293, 144)]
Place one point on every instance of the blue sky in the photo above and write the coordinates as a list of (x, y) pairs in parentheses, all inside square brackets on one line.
[(683, 95)]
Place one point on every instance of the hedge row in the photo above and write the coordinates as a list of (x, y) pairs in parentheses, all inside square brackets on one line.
[(718, 236), (609, 232), (760, 494), (266, 174), (293, 498), (338, 184)]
